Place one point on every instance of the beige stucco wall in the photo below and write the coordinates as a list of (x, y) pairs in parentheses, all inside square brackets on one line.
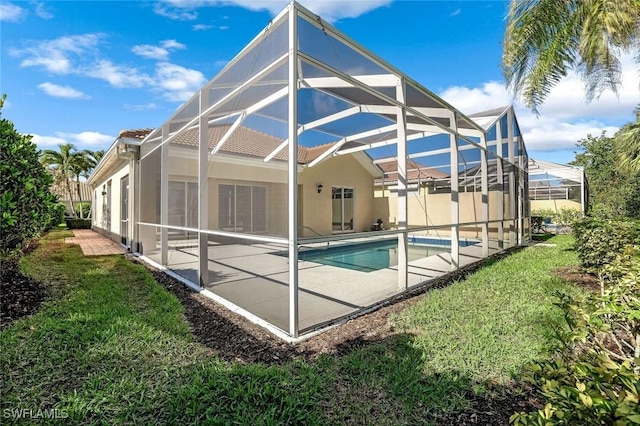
[(425, 209), (316, 209), (555, 205), (339, 171)]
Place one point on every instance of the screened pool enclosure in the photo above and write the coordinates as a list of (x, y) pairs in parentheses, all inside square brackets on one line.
[(310, 181), (555, 186)]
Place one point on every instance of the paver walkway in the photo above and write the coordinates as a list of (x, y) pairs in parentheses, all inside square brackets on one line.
[(94, 244)]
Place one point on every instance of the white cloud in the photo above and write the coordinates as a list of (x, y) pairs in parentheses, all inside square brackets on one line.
[(46, 142), (150, 52), (117, 75), (201, 27), (456, 12), (141, 107), (469, 100), (80, 55), (82, 140), (329, 10), (177, 83), (565, 117), (57, 91), (57, 55), (172, 44), (87, 138), (159, 53), (11, 13), (176, 13), (42, 11)]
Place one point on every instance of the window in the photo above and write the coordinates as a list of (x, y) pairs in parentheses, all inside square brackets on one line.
[(242, 208), (342, 209), (183, 204)]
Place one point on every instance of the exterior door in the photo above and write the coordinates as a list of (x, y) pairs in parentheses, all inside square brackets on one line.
[(124, 210), (342, 209)]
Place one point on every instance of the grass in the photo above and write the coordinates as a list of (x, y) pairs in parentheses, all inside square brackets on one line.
[(112, 346), (486, 326)]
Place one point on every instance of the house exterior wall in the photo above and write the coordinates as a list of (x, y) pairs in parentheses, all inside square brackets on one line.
[(106, 220), (339, 171), (315, 208), (435, 209)]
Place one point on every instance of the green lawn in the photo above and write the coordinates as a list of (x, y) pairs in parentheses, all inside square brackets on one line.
[(111, 346)]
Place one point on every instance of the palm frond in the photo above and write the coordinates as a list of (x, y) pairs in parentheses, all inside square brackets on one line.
[(544, 39)]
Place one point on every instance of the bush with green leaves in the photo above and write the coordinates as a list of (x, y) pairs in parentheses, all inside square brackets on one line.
[(566, 217), (86, 209), (26, 204), (599, 241), (57, 217), (594, 378), (543, 213)]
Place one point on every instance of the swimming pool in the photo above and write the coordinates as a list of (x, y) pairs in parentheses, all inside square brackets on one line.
[(367, 257)]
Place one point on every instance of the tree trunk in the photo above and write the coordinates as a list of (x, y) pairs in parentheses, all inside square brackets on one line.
[(70, 192), (79, 196)]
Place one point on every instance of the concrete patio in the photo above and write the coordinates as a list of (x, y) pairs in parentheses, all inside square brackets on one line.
[(255, 278)]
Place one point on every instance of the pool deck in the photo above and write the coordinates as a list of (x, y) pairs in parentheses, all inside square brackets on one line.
[(255, 279)]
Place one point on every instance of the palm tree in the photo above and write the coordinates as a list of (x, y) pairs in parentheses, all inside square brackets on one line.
[(61, 163), (96, 156), (81, 166), (627, 143), (93, 157), (544, 39)]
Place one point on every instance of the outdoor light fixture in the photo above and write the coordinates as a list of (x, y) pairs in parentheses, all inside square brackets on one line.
[(320, 188)]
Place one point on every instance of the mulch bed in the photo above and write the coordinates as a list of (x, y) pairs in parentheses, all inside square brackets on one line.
[(20, 295), (235, 338), (578, 276)]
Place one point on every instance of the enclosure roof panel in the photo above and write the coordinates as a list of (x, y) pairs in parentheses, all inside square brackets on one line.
[(487, 118), (415, 172), (563, 171)]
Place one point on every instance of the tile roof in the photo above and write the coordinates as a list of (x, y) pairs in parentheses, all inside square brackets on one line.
[(134, 133), (415, 172), (249, 142)]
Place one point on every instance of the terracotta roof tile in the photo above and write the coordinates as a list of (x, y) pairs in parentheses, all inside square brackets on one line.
[(415, 172), (134, 133), (249, 142)]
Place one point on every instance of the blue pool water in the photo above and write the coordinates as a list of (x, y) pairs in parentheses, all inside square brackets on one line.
[(367, 257)]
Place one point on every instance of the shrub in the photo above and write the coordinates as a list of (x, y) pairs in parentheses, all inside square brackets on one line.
[(543, 213), (566, 217), (26, 204), (594, 378), (57, 215), (76, 223), (599, 241), (86, 209)]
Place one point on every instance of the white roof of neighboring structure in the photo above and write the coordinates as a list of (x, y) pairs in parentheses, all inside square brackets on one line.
[(554, 170)]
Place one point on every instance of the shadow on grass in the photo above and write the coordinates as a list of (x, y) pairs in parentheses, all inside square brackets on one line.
[(116, 350), (367, 382), (541, 237)]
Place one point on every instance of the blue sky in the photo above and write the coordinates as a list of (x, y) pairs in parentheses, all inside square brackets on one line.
[(81, 71)]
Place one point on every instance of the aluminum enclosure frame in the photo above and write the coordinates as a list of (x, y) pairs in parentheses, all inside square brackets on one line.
[(407, 112)]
